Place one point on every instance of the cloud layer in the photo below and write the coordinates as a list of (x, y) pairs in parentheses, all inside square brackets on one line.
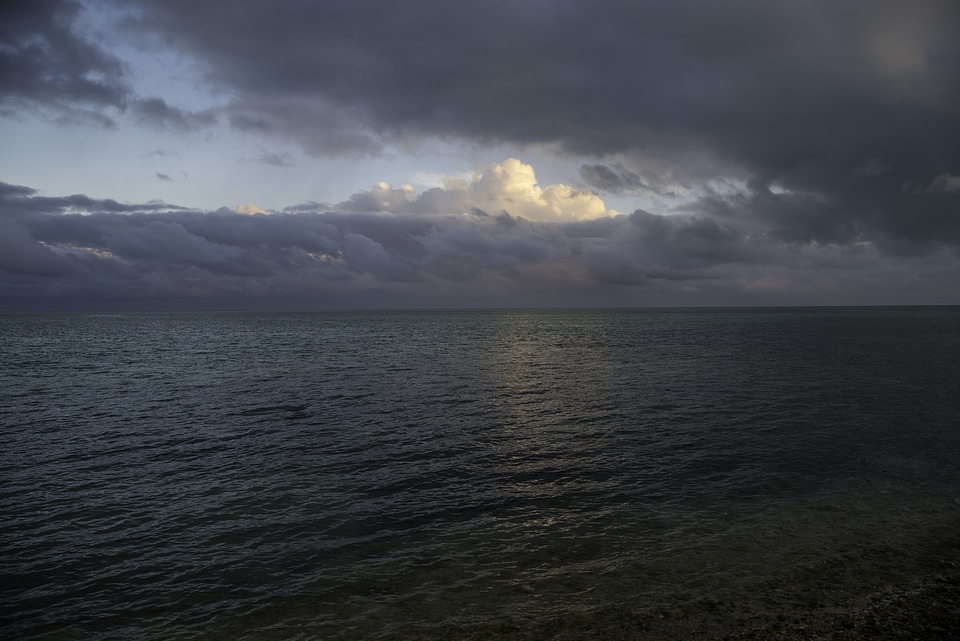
[(80, 253)]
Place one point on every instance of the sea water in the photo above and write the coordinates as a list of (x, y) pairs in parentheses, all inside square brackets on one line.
[(469, 474)]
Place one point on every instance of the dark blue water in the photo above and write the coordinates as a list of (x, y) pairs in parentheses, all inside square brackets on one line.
[(469, 474)]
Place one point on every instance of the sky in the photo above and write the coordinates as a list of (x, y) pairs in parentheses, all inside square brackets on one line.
[(366, 154)]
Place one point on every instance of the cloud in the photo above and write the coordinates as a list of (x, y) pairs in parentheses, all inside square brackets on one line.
[(276, 160), (79, 252), (872, 166), (658, 179), (844, 99), (161, 153), (944, 184), (250, 209), (601, 76), (273, 159), (317, 127), (46, 63), (20, 202), (614, 179), (9, 193), (157, 113), (780, 90), (54, 66), (21, 254), (794, 131), (509, 187)]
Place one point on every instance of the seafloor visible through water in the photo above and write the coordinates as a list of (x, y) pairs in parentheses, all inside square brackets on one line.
[(609, 474)]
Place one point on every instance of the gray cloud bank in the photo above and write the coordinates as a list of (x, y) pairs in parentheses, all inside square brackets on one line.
[(81, 253), (800, 94)]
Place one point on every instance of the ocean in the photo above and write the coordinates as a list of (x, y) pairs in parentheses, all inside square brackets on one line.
[(541, 474)]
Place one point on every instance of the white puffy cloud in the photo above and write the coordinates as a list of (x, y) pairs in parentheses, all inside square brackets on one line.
[(507, 187)]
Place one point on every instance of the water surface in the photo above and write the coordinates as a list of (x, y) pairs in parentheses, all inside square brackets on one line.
[(506, 473)]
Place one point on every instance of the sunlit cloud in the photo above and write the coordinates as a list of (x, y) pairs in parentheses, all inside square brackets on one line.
[(250, 209), (509, 187)]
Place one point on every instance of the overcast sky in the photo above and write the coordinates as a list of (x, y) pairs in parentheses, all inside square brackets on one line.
[(181, 154)]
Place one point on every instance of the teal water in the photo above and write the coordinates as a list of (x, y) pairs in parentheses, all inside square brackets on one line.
[(469, 474)]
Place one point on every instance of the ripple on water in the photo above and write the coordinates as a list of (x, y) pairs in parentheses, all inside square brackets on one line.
[(406, 475)]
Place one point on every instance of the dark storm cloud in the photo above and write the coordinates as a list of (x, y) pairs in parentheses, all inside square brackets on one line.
[(48, 61), (319, 128), (600, 76), (45, 62), (892, 218), (79, 252), (846, 100)]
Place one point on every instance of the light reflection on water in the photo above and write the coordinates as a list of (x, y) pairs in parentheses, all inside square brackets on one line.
[(407, 474)]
